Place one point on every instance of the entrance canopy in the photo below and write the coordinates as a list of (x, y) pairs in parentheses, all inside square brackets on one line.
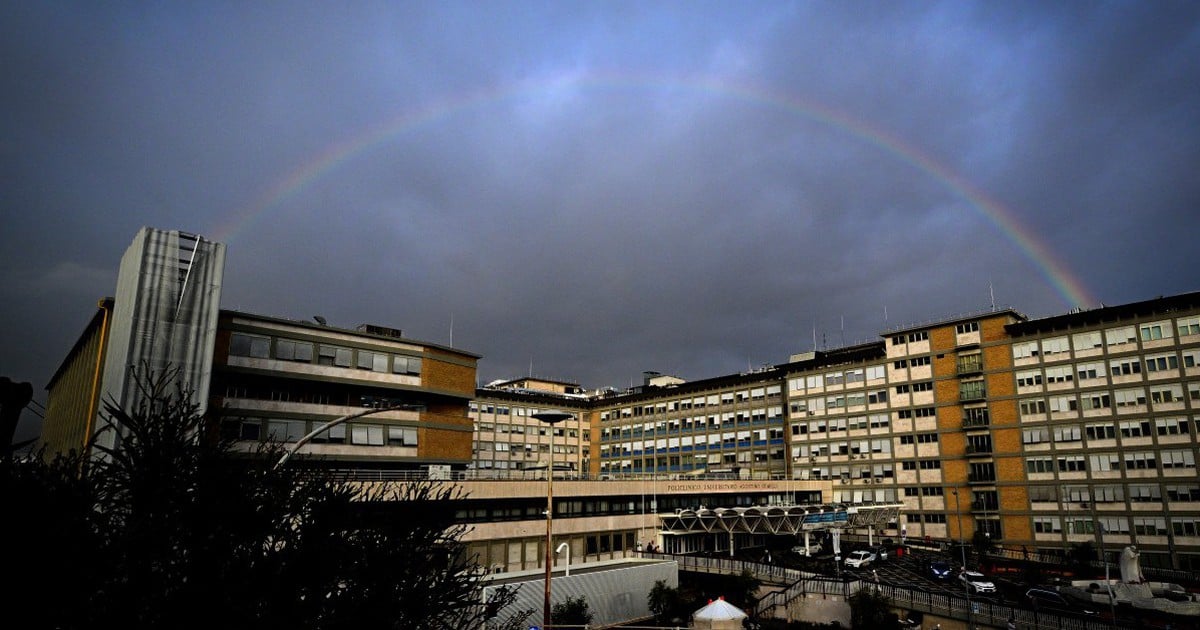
[(781, 519)]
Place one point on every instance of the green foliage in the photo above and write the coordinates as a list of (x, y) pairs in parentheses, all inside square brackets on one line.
[(871, 609), (167, 529), (743, 590), (572, 612), (667, 604)]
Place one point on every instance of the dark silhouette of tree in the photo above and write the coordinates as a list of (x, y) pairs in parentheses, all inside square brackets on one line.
[(666, 603), (176, 530), (574, 611), (870, 608)]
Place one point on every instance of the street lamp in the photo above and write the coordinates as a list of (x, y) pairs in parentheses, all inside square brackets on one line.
[(551, 418), (962, 546)]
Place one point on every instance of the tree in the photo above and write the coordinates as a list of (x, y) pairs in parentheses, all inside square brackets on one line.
[(870, 608), (572, 612), (743, 589), (179, 531), (666, 603)]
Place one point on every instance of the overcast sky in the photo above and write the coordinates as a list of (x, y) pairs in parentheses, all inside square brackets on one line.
[(591, 190)]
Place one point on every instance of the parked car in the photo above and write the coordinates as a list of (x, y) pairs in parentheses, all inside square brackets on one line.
[(977, 582), (881, 552), (1050, 600), (813, 550), (941, 570), (860, 558)]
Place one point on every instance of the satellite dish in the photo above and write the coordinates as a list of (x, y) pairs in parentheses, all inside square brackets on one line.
[(320, 320)]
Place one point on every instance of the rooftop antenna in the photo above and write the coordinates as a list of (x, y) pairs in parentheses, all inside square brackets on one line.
[(843, 331), (992, 294), (814, 335), (530, 367), (885, 315), (451, 330)]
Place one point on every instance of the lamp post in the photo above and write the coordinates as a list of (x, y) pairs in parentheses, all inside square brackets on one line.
[(333, 423), (962, 546), (551, 418)]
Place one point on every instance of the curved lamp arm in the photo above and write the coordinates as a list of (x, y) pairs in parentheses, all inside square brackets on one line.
[(333, 423)]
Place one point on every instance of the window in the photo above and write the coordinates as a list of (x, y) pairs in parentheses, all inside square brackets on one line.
[(334, 355), (972, 390), (406, 365), (1096, 401), (877, 397), (1029, 378), (1061, 374), (1105, 462), (930, 464), (1130, 397), (1144, 494), (243, 345), (1171, 426), (1072, 463), (1055, 345), (1087, 371), (1166, 394), (920, 361), (1120, 335), (1155, 331), (1032, 406), (1025, 349), (402, 436), (1162, 363), (1188, 326), (876, 372), (373, 361), (1125, 367), (1063, 404), (1141, 461), (1087, 340), (289, 350), (1178, 459), (1067, 434), (1135, 429), (1039, 465), (968, 327), (1101, 431)]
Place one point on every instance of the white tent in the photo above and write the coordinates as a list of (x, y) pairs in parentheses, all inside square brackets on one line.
[(718, 615)]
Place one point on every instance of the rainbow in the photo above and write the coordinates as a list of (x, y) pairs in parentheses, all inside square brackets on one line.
[(1067, 285)]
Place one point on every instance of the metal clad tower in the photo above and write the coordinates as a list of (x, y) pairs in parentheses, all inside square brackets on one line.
[(164, 315)]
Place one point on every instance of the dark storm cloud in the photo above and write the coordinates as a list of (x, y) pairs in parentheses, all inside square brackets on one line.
[(598, 189)]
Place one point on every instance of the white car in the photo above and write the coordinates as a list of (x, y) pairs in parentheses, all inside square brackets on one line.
[(813, 549), (977, 582), (860, 558)]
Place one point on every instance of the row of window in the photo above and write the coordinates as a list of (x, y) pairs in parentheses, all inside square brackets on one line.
[(1104, 399), (698, 402), (1111, 462), (1140, 428), (283, 430), (1139, 525), (1126, 366), (1109, 337), (264, 347)]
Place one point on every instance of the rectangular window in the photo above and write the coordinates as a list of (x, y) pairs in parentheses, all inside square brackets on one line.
[(1162, 363), (1188, 326), (1101, 431), (1025, 350), (1087, 340), (968, 327), (1130, 397), (243, 345), (1055, 345), (1155, 331), (1171, 426), (406, 365), (1061, 374), (334, 355), (1032, 406), (1087, 371), (1120, 335), (1166, 394), (1029, 378), (1125, 367), (373, 361), (289, 350), (1039, 465)]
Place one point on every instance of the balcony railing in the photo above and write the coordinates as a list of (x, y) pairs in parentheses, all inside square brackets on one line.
[(975, 422), (981, 478), (979, 449)]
